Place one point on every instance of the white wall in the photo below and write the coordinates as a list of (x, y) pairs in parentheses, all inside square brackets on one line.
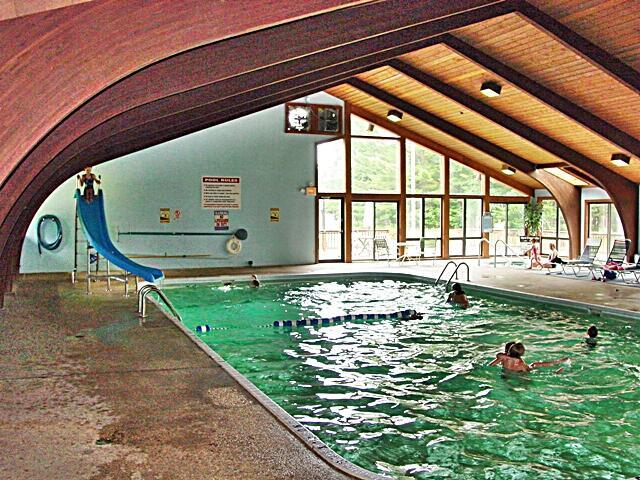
[(273, 167), (591, 193)]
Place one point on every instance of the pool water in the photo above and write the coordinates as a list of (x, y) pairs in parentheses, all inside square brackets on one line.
[(416, 398)]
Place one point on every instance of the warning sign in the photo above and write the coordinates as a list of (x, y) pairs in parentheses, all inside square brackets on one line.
[(221, 192), (165, 215), (274, 215), (221, 219)]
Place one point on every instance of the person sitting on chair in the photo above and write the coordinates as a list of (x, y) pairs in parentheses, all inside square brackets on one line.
[(87, 180)]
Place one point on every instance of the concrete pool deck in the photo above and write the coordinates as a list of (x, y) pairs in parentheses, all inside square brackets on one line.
[(86, 391)]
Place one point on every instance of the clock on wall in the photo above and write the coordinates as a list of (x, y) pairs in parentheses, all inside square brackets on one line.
[(298, 118), (313, 119)]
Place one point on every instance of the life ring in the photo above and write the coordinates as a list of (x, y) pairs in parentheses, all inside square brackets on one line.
[(234, 246), (57, 241)]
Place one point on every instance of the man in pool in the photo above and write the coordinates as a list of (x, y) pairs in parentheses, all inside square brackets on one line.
[(457, 296), (513, 360), (255, 283), (591, 336)]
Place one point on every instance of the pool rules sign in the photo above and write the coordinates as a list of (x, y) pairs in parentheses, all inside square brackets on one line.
[(221, 193)]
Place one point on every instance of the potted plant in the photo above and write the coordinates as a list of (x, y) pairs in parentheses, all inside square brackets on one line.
[(533, 217)]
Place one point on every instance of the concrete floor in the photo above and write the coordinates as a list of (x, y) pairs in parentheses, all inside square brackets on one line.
[(86, 391)]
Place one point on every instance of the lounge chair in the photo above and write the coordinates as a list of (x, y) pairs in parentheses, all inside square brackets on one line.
[(381, 248), (616, 259), (630, 270), (586, 259)]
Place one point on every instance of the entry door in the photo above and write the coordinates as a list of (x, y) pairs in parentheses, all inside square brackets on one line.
[(330, 229), (371, 220)]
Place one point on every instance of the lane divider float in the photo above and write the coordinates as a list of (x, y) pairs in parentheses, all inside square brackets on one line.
[(404, 315)]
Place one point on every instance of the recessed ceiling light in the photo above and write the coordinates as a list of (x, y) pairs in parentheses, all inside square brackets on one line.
[(394, 115), (507, 170), (620, 159), (490, 89)]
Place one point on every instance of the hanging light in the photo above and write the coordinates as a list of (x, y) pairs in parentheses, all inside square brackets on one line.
[(490, 89), (394, 115), (620, 159)]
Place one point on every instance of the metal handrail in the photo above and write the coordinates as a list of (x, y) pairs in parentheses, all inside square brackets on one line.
[(451, 262), (144, 291), (495, 252), (446, 287), (480, 248)]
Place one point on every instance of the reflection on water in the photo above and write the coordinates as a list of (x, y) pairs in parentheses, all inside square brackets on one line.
[(416, 398)]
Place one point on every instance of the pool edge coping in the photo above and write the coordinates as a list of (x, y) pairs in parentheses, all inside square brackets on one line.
[(299, 431)]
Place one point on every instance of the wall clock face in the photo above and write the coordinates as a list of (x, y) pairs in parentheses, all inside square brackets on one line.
[(299, 118)]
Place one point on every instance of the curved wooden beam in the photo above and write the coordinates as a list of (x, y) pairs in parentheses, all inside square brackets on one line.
[(567, 197)]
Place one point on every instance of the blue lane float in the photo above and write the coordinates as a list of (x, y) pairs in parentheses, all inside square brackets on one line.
[(403, 315), (203, 328)]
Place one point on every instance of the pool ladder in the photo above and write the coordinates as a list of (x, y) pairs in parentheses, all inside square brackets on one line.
[(455, 272), (144, 291)]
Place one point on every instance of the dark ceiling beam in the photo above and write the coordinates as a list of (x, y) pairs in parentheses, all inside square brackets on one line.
[(509, 123), (590, 121), (434, 121), (595, 55), (446, 151), (552, 165), (614, 183), (567, 197)]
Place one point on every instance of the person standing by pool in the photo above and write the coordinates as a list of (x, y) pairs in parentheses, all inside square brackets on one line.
[(457, 296), (87, 180)]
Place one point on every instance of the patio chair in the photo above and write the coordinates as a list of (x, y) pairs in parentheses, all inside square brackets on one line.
[(586, 259), (381, 248), (616, 259), (631, 270)]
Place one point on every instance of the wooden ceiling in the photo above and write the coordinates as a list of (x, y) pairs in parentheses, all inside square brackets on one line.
[(520, 44)]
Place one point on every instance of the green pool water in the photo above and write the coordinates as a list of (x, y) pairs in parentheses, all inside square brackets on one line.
[(416, 398)]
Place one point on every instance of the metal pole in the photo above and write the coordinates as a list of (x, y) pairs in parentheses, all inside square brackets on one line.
[(108, 277), (88, 270), (126, 284)]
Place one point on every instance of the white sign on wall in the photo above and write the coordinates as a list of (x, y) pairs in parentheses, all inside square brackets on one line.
[(221, 192)]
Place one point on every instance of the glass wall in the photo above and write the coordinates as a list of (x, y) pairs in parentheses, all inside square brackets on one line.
[(604, 223), (380, 178), (508, 226), (553, 229)]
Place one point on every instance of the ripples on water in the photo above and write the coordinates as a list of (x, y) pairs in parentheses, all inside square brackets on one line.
[(415, 398)]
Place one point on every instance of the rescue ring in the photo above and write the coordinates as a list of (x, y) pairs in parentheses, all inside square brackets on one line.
[(234, 246)]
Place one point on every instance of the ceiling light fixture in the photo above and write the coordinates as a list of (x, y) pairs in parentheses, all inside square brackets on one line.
[(620, 159), (490, 89), (507, 170), (394, 115)]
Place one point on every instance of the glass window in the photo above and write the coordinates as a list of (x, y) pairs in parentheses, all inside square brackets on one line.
[(464, 180), (499, 189), (371, 220), (362, 127), (515, 225), (375, 166), (553, 228), (456, 211), (473, 218), (414, 217), (330, 229), (432, 218), (331, 167), (425, 170), (499, 214), (604, 223)]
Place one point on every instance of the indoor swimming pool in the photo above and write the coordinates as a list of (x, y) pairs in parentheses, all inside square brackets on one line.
[(417, 398)]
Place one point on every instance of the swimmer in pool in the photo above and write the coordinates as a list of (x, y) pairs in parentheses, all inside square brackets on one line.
[(499, 355), (457, 296), (255, 283), (591, 336), (513, 360)]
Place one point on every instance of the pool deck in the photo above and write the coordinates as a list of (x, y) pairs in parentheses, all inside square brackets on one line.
[(87, 391)]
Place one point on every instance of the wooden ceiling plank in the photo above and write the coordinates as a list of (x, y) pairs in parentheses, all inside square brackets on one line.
[(595, 124), (580, 45)]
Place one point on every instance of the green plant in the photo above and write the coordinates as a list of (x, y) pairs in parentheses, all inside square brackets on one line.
[(533, 217)]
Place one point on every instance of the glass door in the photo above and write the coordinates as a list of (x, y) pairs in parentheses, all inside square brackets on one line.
[(604, 223), (330, 228), (371, 220)]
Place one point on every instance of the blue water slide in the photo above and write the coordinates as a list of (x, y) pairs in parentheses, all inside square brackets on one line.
[(94, 226)]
